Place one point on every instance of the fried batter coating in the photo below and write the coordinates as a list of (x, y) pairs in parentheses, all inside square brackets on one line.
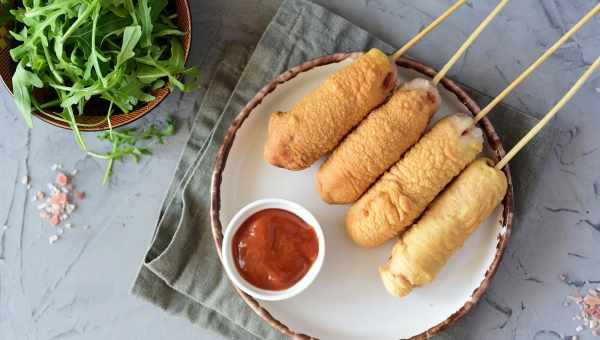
[(403, 193), (424, 249), (319, 121), (378, 142)]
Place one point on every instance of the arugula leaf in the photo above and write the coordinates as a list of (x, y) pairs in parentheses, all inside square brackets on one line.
[(156, 7), (23, 82), (143, 14), (126, 143), (131, 36), (112, 52)]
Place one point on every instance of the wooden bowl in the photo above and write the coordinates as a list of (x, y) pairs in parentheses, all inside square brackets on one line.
[(96, 122)]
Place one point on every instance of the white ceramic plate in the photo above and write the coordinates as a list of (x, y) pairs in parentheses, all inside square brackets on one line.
[(348, 300)]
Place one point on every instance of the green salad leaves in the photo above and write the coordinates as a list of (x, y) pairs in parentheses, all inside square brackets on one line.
[(74, 56)]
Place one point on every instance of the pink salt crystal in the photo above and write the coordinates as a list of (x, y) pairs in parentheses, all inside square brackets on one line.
[(62, 179), (54, 220), (55, 208), (80, 195), (44, 215), (59, 198), (40, 195)]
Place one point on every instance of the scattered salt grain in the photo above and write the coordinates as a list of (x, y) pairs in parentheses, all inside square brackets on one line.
[(588, 304), (70, 208), (56, 205), (52, 188), (54, 220), (60, 198), (62, 179), (25, 180), (28, 186)]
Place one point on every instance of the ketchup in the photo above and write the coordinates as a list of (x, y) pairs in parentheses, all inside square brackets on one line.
[(274, 248)]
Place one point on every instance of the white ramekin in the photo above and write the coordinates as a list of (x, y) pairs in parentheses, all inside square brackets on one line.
[(238, 220)]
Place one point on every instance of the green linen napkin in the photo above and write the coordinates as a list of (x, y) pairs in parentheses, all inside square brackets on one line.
[(181, 272)]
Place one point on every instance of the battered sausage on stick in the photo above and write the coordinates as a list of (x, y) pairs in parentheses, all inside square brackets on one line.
[(425, 248), (378, 142), (317, 123), (422, 251), (376, 213), (403, 193)]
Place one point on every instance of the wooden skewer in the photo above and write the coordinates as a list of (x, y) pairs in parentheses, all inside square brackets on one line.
[(412, 42), (539, 126), (536, 64), (469, 41)]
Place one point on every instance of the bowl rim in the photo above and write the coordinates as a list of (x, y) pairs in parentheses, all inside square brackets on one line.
[(163, 92), (236, 222), (492, 138)]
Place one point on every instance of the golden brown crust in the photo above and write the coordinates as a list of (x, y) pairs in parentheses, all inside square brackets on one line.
[(317, 123), (377, 143), (425, 248), (395, 284), (403, 193)]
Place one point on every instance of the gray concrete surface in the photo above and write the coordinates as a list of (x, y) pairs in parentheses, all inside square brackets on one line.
[(78, 288)]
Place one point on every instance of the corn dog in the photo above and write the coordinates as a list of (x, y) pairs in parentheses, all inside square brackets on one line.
[(319, 121), (423, 250), (403, 193), (378, 142)]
